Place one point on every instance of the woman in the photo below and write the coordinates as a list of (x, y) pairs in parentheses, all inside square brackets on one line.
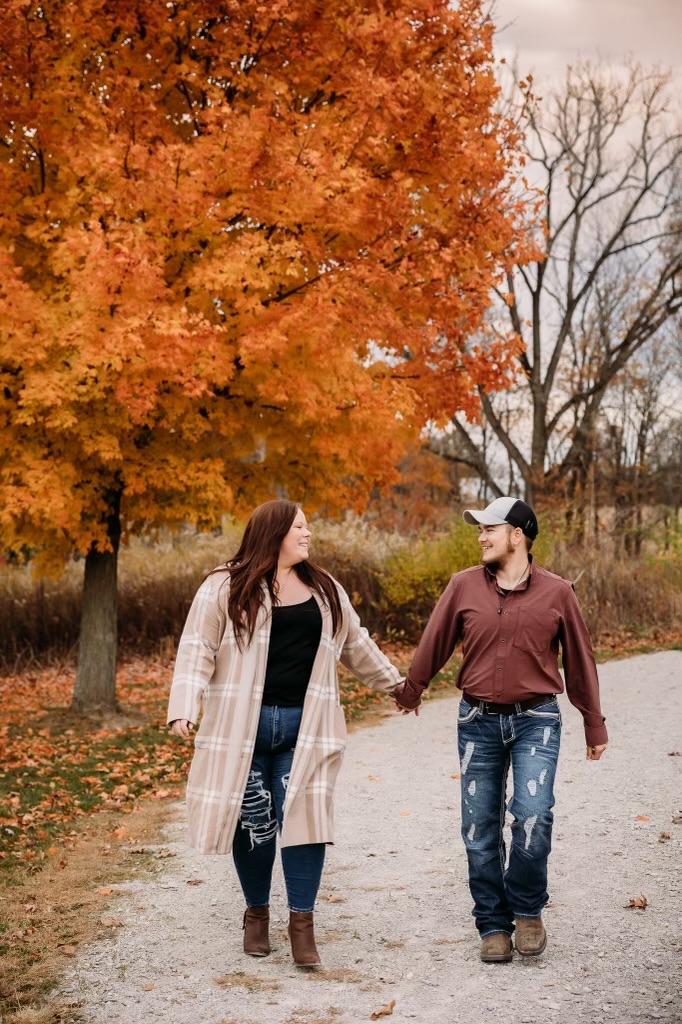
[(259, 650)]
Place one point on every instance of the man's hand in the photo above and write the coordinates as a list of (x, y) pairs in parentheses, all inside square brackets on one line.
[(182, 727), (408, 696), (594, 753)]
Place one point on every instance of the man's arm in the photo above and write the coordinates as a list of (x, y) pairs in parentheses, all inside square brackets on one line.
[(437, 643), (580, 672)]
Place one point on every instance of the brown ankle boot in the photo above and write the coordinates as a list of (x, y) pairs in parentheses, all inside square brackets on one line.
[(302, 937), (530, 938), (496, 948), (255, 926)]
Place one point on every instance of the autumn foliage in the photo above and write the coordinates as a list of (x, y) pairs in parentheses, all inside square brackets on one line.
[(243, 247), (212, 214)]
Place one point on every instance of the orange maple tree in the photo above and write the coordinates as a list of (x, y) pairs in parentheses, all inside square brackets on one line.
[(243, 248)]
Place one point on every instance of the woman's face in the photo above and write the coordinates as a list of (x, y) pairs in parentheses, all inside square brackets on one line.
[(296, 544)]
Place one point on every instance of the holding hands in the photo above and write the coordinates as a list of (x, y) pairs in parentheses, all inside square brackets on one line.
[(408, 696)]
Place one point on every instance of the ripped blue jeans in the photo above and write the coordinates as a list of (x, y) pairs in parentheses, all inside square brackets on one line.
[(260, 820), (489, 745)]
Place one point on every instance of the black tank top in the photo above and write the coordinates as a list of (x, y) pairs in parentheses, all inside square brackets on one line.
[(294, 639)]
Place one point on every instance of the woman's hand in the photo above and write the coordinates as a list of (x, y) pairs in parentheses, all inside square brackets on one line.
[(182, 728), (406, 711)]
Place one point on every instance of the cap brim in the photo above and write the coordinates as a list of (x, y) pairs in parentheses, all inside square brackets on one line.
[(483, 518)]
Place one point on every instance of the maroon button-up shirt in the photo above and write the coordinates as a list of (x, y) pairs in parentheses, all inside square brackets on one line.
[(510, 644)]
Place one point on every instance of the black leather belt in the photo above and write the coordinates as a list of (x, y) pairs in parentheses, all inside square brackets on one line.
[(491, 708)]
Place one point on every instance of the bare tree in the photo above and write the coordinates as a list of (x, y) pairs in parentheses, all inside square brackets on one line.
[(609, 281), (631, 446)]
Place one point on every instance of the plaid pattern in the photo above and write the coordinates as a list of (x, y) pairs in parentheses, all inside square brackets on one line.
[(212, 675)]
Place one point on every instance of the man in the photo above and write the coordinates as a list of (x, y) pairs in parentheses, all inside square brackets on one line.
[(511, 616)]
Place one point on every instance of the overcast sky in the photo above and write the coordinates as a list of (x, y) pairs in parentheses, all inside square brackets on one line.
[(548, 34)]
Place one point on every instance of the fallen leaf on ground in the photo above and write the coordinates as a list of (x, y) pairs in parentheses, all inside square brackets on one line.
[(663, 837), (111, 922), (374, 778), (404, 814), (636, 903), (456, 776), (642, 817), (162, 854), (333, 898), (195, 881), (104, 890), (385, 1011), (148, 986)]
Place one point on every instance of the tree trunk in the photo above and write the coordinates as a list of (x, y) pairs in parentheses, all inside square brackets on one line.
[(95, 688)]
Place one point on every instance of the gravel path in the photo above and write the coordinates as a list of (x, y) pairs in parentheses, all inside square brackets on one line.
[(394, 916)]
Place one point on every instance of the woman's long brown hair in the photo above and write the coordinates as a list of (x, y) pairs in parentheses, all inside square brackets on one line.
[(256, 561)]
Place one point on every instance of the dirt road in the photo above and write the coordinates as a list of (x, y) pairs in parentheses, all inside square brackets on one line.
[(394, 918)]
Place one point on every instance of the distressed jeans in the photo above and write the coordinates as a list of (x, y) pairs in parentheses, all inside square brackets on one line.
[(489, 744), (261, 816)]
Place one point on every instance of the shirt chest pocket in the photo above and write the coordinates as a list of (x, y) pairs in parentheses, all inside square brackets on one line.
[(535, 630)]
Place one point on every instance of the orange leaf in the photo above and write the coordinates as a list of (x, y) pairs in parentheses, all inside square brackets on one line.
[(642, 817), (385, 1011), (636, 903)]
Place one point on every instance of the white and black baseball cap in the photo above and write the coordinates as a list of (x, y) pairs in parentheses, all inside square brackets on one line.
[(511, 511)]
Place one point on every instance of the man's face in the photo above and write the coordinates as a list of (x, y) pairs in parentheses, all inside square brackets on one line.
[(495, 542)]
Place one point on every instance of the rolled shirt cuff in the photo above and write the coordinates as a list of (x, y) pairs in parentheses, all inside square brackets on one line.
[(596, 735)]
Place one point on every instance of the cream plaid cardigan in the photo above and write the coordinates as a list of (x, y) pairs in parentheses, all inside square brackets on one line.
[(210, 670)]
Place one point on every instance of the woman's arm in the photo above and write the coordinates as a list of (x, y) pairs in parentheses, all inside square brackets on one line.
[(362, 656), (195, 660)]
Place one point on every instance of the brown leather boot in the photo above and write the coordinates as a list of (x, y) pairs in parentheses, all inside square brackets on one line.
[(255, 926), (496, 948), (530, 937), (302, 937)]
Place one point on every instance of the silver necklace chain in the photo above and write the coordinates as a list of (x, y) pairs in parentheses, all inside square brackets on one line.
[(502, 596)]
